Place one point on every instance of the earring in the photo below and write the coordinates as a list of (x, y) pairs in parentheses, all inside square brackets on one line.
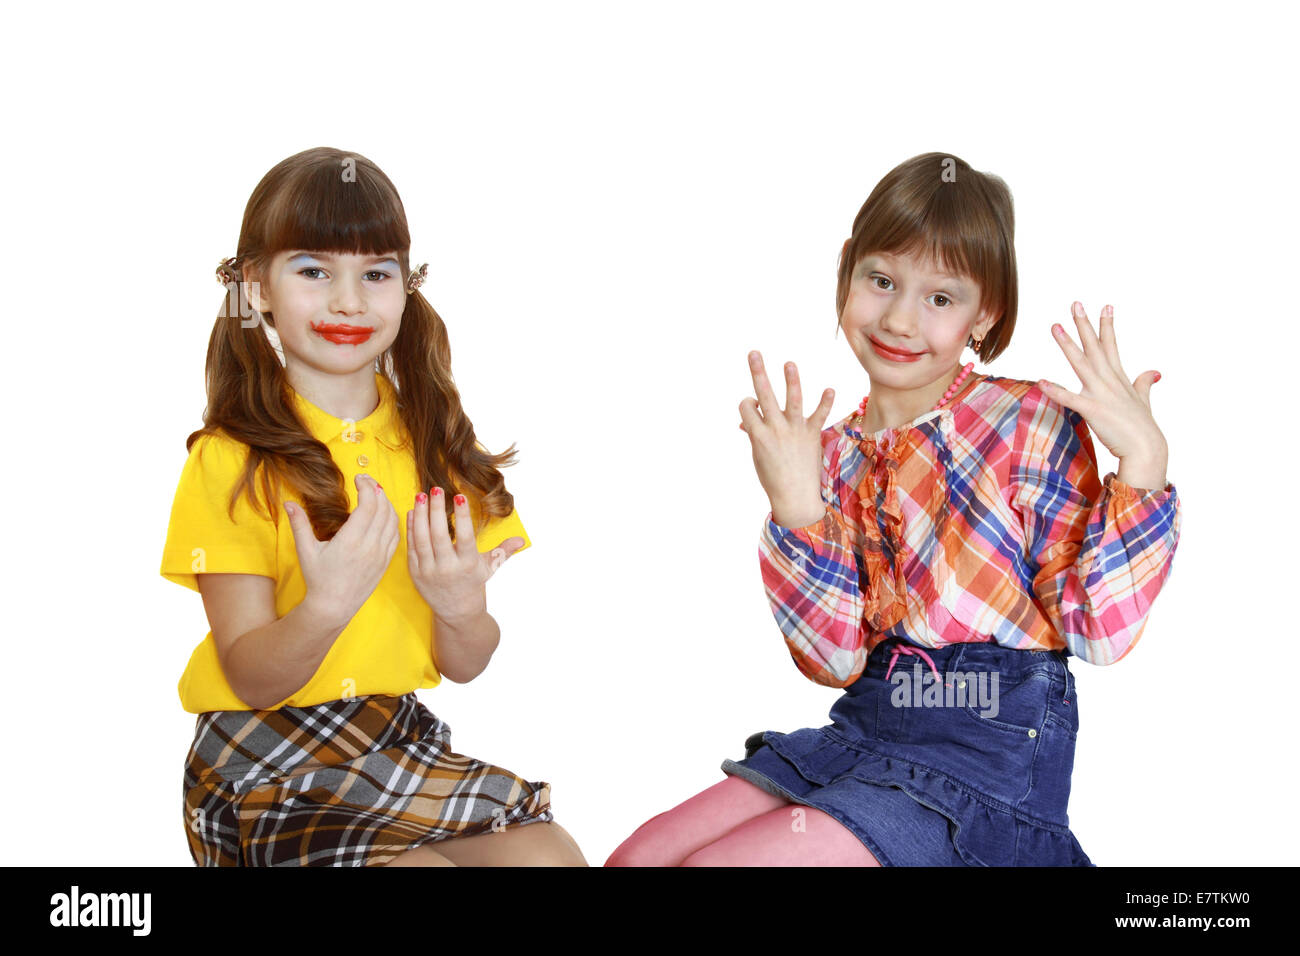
[(975, 344)]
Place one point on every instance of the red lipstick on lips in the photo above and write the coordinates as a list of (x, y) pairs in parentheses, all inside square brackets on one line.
[(893, 355), (343, 334)]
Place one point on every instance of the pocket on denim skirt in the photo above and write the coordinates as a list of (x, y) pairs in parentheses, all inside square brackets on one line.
[(1016, 708)]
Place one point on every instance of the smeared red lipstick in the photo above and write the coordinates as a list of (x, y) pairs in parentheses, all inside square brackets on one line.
[(893, 355), (343, 334)]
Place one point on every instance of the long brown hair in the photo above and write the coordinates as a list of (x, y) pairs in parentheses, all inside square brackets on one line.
[(935, 205), (327, 200)]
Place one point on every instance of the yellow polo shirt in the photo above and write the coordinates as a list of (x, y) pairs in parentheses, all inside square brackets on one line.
[(387, 646)]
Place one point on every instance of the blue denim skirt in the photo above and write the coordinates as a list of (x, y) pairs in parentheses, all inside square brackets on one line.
[(967, 768)]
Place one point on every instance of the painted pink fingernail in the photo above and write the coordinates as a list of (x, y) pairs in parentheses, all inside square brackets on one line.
[(460, 499), (421, 498), (436, 492), (1157, 378)]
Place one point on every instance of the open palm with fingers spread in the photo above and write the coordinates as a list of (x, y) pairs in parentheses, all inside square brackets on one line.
[(451, 577), (787, 447), (1117, 410)]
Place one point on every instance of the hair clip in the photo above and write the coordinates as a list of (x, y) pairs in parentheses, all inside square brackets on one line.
[(416, 278), (226, 271)]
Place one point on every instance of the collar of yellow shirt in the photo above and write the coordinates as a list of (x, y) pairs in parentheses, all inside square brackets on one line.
[(384, 424)]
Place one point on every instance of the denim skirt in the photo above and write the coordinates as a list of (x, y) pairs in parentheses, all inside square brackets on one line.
[(962, 757)]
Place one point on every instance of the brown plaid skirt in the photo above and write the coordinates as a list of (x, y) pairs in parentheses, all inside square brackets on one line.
[(344, 783)]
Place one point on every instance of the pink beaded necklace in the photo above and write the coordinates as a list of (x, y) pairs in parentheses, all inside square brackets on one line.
[(952, 390)]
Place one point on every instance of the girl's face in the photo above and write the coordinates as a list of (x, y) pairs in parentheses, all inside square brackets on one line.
[(334, 312), (907, 321)]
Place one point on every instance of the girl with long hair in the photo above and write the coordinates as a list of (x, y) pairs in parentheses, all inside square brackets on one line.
[(331, 408)]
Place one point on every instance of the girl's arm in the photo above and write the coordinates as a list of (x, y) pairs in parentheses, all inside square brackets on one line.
[(1097, 552), (462, 648), (265, 659), (810, 576)]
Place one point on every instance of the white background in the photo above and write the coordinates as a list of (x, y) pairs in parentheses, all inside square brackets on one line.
[(617, 202)]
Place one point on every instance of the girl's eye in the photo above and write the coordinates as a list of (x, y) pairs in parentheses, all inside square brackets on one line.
[(940, 295), (880, 279), (372, 272)]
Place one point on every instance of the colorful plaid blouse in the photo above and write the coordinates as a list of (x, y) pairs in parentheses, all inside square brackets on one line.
[(982, 521)]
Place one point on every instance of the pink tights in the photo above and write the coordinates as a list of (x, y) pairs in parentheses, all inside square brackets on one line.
[(734, 823)]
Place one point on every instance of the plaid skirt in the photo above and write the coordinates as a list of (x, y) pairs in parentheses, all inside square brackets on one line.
[(345, 783)]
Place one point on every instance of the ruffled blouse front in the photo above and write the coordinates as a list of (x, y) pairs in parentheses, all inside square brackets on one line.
[(883, 545)]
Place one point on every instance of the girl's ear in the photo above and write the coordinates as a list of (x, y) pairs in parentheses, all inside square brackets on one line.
[(983, 324), (253, 290)]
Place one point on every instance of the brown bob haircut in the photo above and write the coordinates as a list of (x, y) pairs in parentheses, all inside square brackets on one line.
[(934, 205)]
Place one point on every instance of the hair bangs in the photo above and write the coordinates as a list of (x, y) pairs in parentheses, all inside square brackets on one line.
[(321, 211)]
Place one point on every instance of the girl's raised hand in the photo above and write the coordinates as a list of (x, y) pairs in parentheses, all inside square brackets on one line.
[(787, 447), (343, 572), (450, 576), (1117, 410)]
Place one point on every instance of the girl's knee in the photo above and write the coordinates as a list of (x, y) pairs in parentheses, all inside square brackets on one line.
[(637, 850), (532, 844), (420, 856), (568, 851), (668, 837), (543, 844), (645, 846), (707, 856), (789, 836)]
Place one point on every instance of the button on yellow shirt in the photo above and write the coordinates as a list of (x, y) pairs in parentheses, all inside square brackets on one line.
[(387, 646)]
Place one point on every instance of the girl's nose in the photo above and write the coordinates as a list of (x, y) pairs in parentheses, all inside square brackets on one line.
[(346, 296), (899, 321)]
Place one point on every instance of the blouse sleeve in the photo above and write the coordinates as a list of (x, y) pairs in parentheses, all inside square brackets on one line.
[(202, 535), (497, 529), (810, 576), (1098, 551)]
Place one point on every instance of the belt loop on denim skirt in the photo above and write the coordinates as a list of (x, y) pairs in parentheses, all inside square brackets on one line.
[(957, 662)]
